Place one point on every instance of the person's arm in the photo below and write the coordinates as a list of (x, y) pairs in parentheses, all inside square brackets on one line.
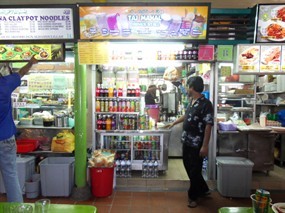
[(207, 135), (179, 120), (25, 69)]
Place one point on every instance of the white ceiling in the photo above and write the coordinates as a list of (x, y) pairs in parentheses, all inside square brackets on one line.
[(215, 3)]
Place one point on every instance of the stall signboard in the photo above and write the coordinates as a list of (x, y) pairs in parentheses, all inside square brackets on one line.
[(264, 58), (206, 52), (149, 21), (270, 26), (248, 58), (225, 53), (270, 58), (23, 52), (37, 23)]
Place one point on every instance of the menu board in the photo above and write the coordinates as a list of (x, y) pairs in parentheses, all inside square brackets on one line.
[(248, 58), (270, 58), (93, 52), (36, 24), (270, 23), (23, 52), (144, 22)]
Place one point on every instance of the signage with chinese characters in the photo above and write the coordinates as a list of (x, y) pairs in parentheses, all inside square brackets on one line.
[(184, 22), (36, 24)]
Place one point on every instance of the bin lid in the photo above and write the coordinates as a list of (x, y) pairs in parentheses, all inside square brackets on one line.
[(228, 160)]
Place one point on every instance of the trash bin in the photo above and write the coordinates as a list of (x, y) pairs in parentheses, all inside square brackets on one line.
[(101, 181), (234, 175)]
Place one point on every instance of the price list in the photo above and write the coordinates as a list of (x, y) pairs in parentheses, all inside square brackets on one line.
[(36, 24)]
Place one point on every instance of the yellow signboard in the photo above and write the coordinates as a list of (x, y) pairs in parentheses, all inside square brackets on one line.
[(186, 22), (93, 52)]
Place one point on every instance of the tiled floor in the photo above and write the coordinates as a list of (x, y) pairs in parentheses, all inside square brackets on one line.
[(168, 193)]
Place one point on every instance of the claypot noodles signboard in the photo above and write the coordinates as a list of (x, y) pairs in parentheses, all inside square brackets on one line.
[(36, 23), (270, 23), (144, 22)]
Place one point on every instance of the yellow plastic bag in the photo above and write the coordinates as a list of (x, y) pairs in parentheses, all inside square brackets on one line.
[(63, 142)]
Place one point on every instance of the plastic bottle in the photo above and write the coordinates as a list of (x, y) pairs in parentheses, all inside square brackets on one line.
[(123, 167), (124, 91), (133, 91), (108, 123), (129, 168), (101, 90), (113, 123), (155, 165), (150, 168), (98, 90), (262, 120), (137, 91), (99, 122), (129, 91), (118, 168), (110, 92), (144, 168), (98, 105), (104, 122)]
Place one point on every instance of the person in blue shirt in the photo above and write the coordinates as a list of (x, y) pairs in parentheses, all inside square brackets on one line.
[(197, 126), (9, 81)]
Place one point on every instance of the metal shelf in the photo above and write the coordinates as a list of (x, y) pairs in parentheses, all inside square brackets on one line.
[(262, 93), (117, 113)]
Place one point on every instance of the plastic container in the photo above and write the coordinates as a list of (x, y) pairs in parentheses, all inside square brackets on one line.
[(225, 126), (153, 111), (25, 169), (26, 145), (234, 175), (102, 180), (57, 176)]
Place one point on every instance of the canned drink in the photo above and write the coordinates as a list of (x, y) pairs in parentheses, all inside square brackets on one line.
[(263, 199)]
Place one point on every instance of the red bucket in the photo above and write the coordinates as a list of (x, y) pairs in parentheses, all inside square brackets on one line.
[(101, 181)]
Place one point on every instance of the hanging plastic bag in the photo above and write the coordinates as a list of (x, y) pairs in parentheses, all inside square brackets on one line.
[(63, 142)]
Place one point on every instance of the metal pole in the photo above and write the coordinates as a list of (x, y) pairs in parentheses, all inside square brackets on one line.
[(80, 122)]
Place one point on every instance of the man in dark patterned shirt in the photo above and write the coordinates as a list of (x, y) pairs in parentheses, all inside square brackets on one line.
[(197, 126)]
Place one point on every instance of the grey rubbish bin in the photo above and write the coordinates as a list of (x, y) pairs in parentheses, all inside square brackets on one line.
[(234, 175)]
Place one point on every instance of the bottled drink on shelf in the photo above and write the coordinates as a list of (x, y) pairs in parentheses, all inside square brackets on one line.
[(133, 91), (98, 90), (104, 122), (155, 165), (98, 105), (144, 168), (110, 92), (101, 91), (113, 124), (118, 168), (123, 167), (102, 105), (128, 105), (137, 91), (115, 92), (99, 122), (120, 92), (137, 105), (109, 122), (129, 168), (106, 105), (123, 105), (132, 107), (111, 105), (129, 91), (105, 89)]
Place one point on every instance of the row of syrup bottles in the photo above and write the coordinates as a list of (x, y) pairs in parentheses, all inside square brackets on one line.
[(130, 91)]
